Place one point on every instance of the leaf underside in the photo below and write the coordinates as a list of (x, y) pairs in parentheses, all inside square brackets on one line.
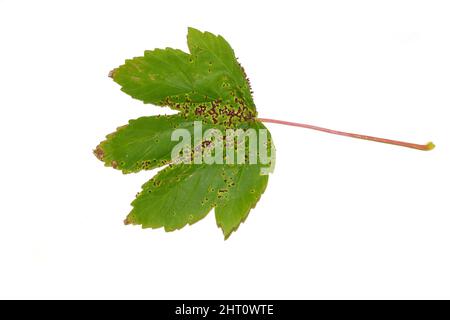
[(208, 85)]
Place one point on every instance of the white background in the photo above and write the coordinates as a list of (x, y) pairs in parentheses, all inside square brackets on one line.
[(341, 218)]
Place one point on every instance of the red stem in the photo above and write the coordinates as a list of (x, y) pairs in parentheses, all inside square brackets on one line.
[(423, 147)]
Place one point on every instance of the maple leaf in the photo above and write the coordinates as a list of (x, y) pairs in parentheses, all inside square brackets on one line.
[(208, 85)]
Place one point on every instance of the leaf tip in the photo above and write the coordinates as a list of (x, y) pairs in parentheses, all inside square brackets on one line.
[(128, 220), (226, 236), (192, 29), (227, 232), (112, 73), (99, 153)]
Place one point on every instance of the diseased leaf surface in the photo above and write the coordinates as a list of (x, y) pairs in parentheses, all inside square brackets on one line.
[(247, 186), (144, 143), (176, 196), (209, 85), (214, 52), (184, 194), (171, 77)]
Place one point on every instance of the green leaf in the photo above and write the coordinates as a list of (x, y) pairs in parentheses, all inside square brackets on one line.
[(176, 196), (207, 85), (144, 144), (216, 54), (242, 193), (171, 77), (184, 194)]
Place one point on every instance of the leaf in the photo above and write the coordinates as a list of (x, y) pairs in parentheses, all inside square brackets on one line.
[(176, 196), (171, 77), (216, 54), (143, 144), (207, 85), (184, 194), (240, 197)]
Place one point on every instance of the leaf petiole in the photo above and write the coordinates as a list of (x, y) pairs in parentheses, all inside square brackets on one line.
[(424, 147)]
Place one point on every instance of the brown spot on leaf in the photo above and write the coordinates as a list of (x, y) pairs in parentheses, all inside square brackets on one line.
[(114, 164), (99, 153), (206, 143), (111, 73)]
